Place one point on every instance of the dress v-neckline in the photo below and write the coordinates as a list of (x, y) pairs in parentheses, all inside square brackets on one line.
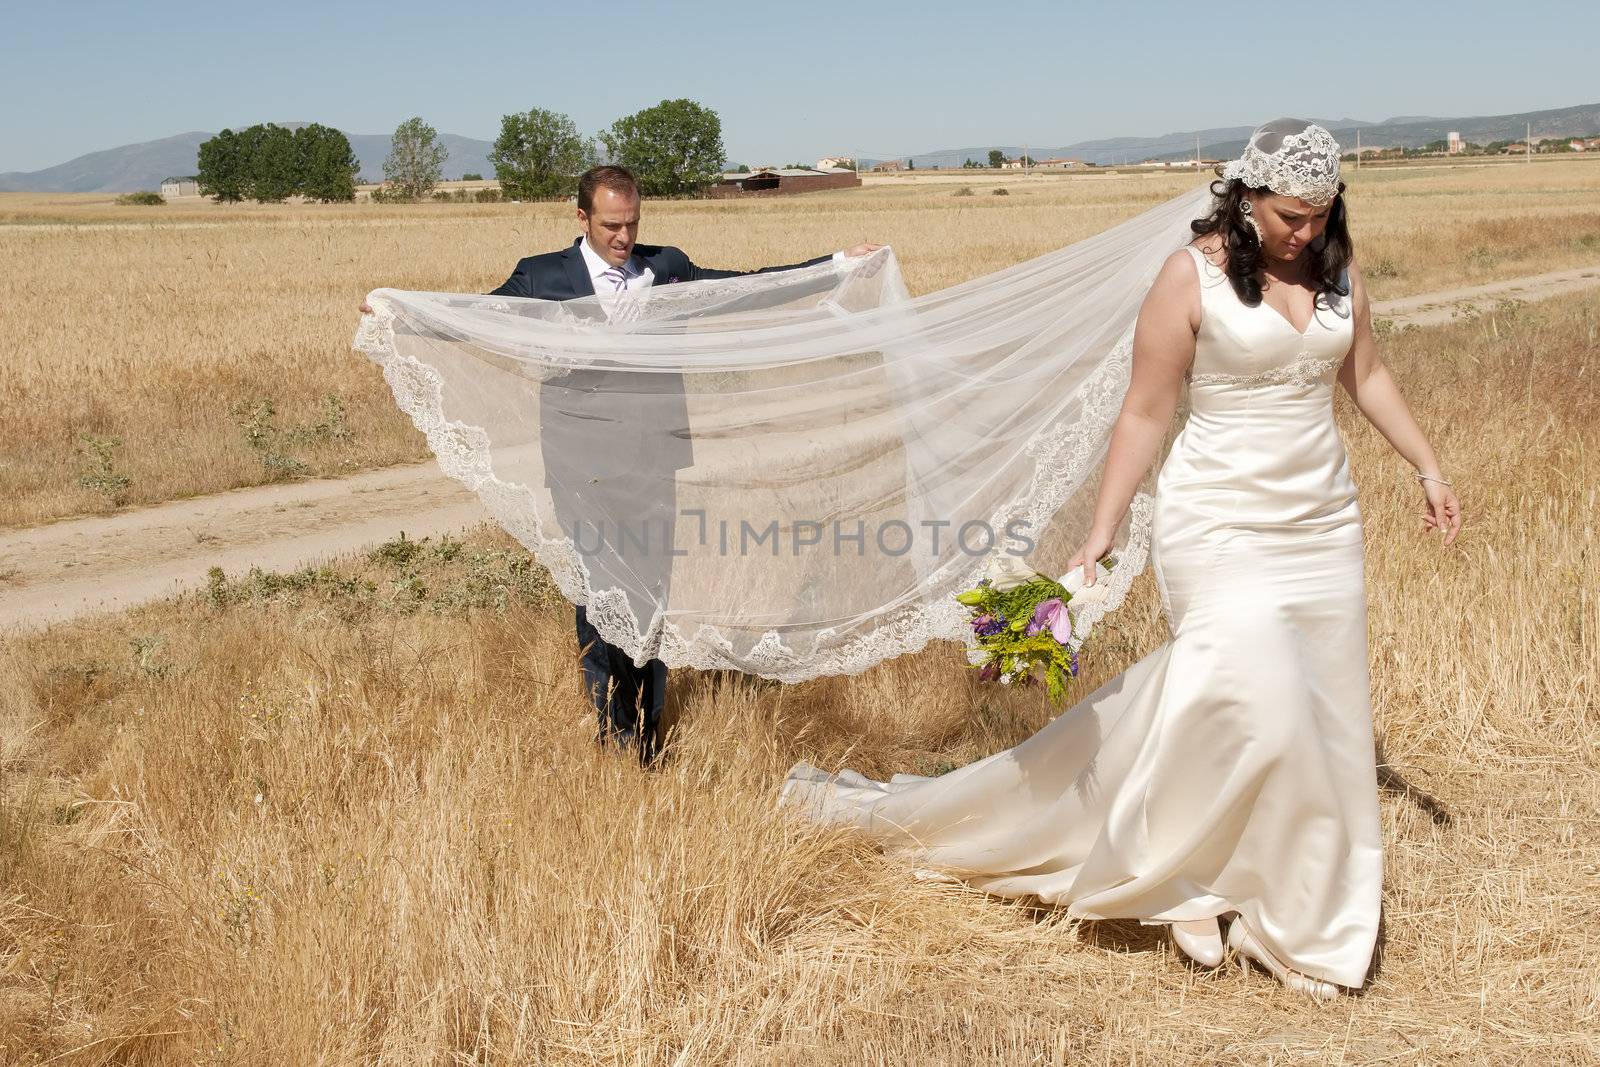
[(1285, 318), (1280, 316)]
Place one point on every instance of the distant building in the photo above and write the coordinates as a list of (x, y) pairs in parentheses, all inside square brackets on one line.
[(836, 163), (770, 181), (1061, 164), (175, 187), (1453, 144), (1011, 164), (887, 166)]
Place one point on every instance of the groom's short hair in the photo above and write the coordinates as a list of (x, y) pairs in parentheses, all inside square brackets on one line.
[(617, 179)]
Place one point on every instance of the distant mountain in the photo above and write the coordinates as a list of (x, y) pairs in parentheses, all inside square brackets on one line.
[(1406, 131), (143, 166), (1414, 133), (133, 166), (1108, 150)]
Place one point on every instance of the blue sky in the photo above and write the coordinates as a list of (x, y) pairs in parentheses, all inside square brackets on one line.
[(790, 80)]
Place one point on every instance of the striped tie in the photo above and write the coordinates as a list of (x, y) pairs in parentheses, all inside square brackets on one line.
[(618, 280)]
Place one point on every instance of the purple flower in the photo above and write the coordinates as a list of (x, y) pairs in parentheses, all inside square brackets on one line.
[(1052, 615), (988, 672), (988, 625), (672, 279)]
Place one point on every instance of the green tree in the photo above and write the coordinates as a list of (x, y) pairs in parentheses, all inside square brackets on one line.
[(471, 177), (416, 160), (327, 163), (996, 157), (539, 153), (224, 168), (672, 148), (274, 163)]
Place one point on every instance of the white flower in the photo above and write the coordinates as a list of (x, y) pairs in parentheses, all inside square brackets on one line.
[(1008, 572), (1083, 595)]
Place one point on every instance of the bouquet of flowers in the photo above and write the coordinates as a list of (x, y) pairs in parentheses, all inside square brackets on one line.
[(1023, 623)]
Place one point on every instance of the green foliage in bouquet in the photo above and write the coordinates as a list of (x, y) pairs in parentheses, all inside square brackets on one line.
[(1001, 622)]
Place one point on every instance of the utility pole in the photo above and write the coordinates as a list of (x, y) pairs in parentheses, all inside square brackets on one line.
[(1197, 153), (1358, 149), (1528, 143)]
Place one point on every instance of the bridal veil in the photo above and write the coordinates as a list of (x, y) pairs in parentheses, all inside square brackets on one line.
[(789, 474)]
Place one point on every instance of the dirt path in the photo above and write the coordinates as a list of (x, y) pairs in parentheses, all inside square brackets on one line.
[(50, 573), (1431, 309), (79, 566)]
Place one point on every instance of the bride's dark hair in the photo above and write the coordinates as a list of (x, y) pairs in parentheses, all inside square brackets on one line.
[(1326, 266)]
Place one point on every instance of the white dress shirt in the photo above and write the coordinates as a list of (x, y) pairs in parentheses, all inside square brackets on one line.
[(636, 276)]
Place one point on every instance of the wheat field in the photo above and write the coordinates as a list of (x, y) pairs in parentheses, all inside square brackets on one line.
[(156, 353), (355, 814)]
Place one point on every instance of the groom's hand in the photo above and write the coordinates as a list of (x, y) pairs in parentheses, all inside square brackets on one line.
[(863, 249), (366, 308)]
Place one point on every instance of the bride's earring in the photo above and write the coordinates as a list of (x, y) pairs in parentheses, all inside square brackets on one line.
[(1249, 213)]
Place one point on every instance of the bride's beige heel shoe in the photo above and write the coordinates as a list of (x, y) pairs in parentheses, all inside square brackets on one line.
[(1199, 939), (1244, 943)]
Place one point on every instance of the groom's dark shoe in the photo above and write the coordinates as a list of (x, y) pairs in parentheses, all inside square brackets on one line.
[(627, 699)]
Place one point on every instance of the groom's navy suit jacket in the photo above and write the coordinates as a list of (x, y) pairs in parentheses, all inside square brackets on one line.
[(585, 408)]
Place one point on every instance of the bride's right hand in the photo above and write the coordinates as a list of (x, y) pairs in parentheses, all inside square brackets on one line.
[(1095, 548)]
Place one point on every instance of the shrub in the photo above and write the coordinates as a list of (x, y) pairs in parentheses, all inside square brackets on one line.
[(1002, 191), (97, 467), (143, 198), (965, 190)]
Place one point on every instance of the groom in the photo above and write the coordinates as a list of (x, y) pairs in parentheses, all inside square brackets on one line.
[(613, 442)]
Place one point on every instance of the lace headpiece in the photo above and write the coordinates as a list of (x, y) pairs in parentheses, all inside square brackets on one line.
[(1291, 157)]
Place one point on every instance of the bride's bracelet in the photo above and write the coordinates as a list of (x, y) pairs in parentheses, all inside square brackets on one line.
[(1419, 476)]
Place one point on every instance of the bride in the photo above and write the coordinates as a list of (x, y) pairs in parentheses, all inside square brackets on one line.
[(1227, 776), (1230, 774)]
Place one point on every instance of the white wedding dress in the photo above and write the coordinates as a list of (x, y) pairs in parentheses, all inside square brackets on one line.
[(1232, 769)]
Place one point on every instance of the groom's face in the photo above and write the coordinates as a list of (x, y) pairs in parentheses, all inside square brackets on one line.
[(613, 225)]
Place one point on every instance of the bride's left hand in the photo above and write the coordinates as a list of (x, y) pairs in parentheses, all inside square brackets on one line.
[(1443, 510)]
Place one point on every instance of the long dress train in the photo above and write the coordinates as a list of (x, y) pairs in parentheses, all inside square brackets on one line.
[(1232, 769)]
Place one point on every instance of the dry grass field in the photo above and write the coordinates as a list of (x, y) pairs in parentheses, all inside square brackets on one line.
[(154, 353), (355, 815)]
